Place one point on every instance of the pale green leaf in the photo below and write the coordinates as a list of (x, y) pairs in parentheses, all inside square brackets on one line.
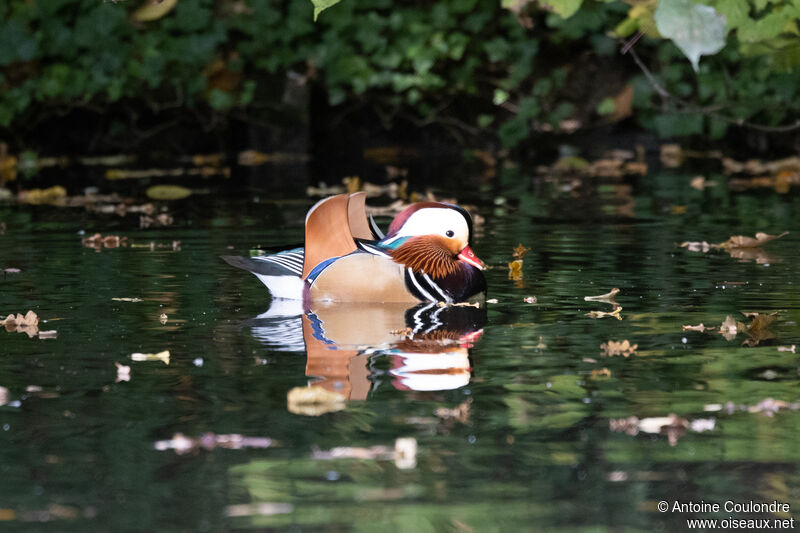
[(565, 8), (322, 5), (696, 29)]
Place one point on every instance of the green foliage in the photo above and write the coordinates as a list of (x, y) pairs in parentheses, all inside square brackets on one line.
[(470, 64)]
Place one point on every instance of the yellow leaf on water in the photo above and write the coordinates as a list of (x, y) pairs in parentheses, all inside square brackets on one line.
[(168, 192), (520, 251), (153, 10)]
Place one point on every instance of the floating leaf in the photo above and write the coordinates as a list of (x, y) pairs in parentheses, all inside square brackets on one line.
[(603, 314), (168, 192), (608, 297), (701, 328), (623, 348), (28, 323), (520, 251), (741, 241), (787, 348), (160, 356), (127, 299), (694, 28)]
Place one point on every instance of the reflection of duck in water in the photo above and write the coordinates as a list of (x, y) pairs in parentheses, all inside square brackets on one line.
[(425, 256), (426, 345)]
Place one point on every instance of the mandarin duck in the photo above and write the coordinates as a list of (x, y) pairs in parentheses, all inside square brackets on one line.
[(424, 256)]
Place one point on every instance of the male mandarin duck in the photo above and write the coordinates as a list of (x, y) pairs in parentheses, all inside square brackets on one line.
[(425, 256)]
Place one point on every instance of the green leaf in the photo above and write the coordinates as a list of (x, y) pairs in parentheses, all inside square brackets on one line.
[(565, 8), (678, 124), (736, 12), (763, 29), (322, 5), (606, 106), (696, 29)]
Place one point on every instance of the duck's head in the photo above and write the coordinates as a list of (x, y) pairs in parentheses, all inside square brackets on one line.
[(432, 237)]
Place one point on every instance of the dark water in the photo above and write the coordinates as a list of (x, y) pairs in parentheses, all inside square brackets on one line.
[(519, 419)]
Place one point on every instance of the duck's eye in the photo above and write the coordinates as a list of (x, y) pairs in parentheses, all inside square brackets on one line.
[(449, 233)]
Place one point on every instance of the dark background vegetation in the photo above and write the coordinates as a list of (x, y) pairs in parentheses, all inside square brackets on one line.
[(96, 76)]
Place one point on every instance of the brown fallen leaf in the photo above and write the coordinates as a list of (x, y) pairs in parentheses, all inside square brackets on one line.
[(520, 251), (758, 330), (741, 241), (623, 348), (28, 324), (97, 241)]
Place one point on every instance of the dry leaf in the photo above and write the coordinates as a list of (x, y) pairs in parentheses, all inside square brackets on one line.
[(160, 356), (608, 297), (49, 334), (701, 328), (624, 348), (741, 241), (730, 328), (28, 324), (520, 251), (530, 300), (598, 372)]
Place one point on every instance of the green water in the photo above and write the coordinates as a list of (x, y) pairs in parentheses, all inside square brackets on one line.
[(513, 430)]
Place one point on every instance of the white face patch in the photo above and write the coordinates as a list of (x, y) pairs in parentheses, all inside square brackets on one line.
[(448, 223)]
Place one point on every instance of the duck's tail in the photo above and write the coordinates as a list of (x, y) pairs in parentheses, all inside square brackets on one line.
[(279, 272)]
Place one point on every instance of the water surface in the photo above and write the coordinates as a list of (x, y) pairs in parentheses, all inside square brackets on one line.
[(512, 416)]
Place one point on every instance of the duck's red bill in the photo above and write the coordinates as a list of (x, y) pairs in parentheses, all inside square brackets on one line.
[(468, 256)]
